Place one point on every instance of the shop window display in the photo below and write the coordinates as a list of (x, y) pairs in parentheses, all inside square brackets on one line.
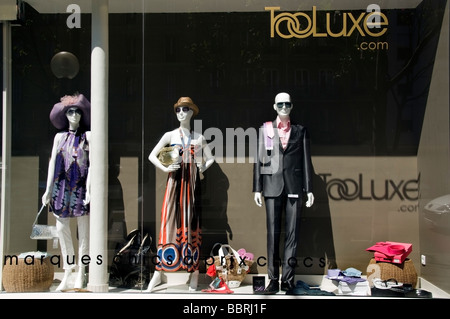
[(366, 96)]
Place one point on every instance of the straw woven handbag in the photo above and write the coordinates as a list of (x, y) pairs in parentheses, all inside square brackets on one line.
[(230, 266)]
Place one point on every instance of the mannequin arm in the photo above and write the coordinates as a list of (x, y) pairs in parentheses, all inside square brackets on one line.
[(310, 200), (165, 140), (51, 171), (206, 155), (87, 199)]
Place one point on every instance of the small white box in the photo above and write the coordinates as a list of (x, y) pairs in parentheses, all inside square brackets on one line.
[(357, 289)]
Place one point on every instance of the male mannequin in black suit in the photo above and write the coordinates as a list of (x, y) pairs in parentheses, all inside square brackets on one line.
[(282, 175)]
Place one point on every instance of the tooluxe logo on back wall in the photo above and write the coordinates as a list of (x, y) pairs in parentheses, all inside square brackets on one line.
[(371, 23)]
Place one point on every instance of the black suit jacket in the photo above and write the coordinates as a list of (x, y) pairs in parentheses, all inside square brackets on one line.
[(289, 169)]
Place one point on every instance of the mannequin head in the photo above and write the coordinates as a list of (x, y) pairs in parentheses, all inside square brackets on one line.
[(73, 115), (186, 101), (283, 104), (184, 113)]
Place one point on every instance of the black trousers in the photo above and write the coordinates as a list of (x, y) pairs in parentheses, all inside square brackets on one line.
[(275, 206)]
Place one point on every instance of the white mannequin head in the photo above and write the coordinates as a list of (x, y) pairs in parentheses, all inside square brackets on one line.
[(73, 115), (184, 114), (283, 104)]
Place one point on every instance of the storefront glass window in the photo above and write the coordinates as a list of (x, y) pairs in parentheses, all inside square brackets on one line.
[(360, 83)]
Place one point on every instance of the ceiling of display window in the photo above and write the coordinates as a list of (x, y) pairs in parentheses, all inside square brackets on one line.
[(171, 6)]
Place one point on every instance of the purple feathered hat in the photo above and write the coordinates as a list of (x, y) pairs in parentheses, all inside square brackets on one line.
[(58, 113)]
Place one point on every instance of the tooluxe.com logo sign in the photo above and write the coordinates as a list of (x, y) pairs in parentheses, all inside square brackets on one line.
[(349, 189), (371, 23)]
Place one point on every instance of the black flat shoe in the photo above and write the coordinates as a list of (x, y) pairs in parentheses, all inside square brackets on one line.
[(286, 285), (272, 288)]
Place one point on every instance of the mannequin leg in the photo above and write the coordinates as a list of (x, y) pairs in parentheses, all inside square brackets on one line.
[(67, 251), (65, 281), (83, 249), (193, 283), (155, 281), (79, 281)]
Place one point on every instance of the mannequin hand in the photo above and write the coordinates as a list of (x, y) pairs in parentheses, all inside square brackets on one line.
[(87, 200), (172, 168), (258, 199), (201, 167), (310, 200), (46, 198)]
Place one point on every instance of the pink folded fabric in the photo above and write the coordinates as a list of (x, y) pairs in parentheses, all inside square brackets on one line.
[(388, 249)]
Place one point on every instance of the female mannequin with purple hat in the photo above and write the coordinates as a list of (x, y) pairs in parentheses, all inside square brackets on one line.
[(180, 234), (68, 183)]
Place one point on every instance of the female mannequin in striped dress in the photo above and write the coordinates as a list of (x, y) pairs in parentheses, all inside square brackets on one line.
[(180, 234)]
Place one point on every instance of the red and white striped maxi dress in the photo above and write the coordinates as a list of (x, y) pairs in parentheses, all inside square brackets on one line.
[(180, 232)]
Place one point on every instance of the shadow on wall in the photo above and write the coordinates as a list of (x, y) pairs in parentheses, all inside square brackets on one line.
[(214, 204), (117, 228), (316, 244)]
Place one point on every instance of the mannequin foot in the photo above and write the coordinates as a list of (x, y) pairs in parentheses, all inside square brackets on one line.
[(65, 281), (193, 283), (79, 281), (156, 280)]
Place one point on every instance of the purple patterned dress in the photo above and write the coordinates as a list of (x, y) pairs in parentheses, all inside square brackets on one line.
[(69, 181)]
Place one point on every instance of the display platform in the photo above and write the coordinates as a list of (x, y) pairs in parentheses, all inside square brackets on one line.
[(174, 286)]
